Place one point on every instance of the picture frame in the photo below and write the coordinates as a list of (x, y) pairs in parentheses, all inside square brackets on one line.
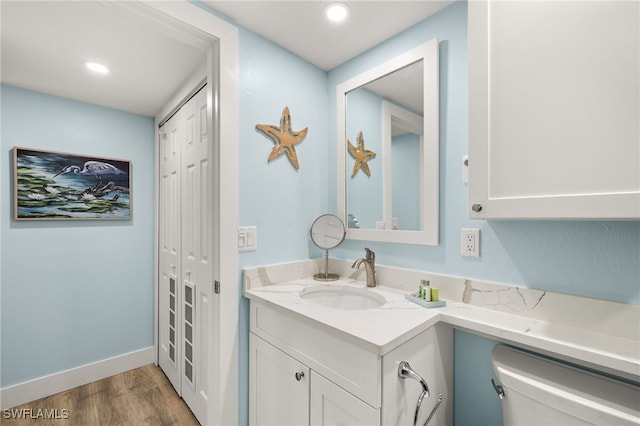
[(51, 185)]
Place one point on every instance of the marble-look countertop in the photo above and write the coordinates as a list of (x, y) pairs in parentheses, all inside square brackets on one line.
[(594, 333), (379, 330)]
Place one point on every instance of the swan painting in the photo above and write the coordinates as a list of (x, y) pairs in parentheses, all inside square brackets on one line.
[(54, 185)]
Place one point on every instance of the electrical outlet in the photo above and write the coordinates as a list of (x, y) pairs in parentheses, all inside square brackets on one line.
[(470, 242)]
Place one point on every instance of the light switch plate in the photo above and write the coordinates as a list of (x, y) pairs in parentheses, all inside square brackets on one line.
[(247, 238)]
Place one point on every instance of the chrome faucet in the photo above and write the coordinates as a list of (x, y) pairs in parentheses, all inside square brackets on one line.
[(369, 266)]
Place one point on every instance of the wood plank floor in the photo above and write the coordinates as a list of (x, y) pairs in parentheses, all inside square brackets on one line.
[(143, 396)]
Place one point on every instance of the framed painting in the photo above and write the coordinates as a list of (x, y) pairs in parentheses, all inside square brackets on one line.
[(55, 185)]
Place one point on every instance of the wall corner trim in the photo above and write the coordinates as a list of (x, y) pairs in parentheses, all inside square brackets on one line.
[(41, 387)]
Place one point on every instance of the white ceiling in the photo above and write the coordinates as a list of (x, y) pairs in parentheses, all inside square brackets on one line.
[(301, 27), (45, 42)]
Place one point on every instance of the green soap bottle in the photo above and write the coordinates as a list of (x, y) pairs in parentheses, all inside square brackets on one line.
[(425, 290)]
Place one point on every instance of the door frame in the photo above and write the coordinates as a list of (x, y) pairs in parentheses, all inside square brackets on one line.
[(222, 70)]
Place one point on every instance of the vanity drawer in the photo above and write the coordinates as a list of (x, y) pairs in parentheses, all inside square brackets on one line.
[(347, 365)]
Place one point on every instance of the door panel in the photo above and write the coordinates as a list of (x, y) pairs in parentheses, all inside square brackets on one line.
[(276, 395), (185, 241), (196, 197), (332, 405), (169, 291)]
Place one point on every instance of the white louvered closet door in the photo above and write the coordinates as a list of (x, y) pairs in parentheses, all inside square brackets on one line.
[(197, 220), (169, 243), (192, 228)]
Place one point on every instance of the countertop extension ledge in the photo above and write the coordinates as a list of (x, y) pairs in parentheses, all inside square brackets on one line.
[(597, 334)]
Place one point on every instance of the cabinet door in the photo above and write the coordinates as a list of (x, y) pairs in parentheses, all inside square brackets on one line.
[(430, 355), (278, 386), (554, 101), (333, 406)]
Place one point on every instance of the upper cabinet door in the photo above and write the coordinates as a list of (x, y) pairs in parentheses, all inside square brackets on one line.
[(554, 110)]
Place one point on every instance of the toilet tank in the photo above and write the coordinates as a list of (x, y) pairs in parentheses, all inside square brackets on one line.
[(538, 391)]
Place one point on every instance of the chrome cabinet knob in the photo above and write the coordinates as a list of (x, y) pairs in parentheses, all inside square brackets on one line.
[(476, 207), (299, 375)]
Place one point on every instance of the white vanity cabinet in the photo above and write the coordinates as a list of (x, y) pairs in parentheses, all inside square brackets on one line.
[(430, 354), (302, 373), (279, 386), (554, 101), (331, 405)]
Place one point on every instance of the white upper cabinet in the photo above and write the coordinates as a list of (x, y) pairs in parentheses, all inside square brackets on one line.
[(554, 110)]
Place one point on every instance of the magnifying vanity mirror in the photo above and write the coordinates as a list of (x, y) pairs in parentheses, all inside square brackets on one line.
[(391, 110), (327, 232)]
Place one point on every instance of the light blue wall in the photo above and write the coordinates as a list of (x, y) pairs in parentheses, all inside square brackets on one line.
[(590, 258), (74, 292), (570, 256), (598, 259), (83, 291), (475, 401), (280, 201)]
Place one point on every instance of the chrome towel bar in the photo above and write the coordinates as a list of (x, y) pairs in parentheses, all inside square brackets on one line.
[(405, 371)]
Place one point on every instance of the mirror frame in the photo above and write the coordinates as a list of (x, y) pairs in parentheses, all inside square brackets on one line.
[(313, 229), (430, 180)]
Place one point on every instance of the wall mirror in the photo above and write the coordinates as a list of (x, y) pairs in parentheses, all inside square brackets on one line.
[(391, 110)]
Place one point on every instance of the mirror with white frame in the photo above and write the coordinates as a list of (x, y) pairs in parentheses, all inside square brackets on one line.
[(391, 110)]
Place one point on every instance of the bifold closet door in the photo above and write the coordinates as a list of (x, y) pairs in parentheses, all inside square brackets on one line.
[(197, 235), (169, 245), (185, 241)]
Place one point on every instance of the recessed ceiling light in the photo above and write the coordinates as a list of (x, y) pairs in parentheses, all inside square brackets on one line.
[(337, 12), (96, 67)]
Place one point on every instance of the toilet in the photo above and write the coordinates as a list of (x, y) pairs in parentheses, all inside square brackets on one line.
[(538, 391)]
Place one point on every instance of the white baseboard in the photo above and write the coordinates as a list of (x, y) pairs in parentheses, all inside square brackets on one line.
[(32, 390)]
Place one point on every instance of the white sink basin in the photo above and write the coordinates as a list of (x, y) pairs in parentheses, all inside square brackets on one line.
[(342, 297)]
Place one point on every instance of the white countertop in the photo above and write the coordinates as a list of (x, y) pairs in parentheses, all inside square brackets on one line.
[(379, 329), (382, 329)]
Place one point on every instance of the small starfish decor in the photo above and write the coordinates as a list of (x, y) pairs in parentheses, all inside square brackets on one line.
[(361, 155), (284, 138)]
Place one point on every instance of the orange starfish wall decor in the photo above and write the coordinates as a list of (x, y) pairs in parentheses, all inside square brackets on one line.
[(361, 156), (284, 138)]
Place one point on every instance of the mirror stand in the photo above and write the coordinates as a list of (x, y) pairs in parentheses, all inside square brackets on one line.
[(326, 276), (327, 232)]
